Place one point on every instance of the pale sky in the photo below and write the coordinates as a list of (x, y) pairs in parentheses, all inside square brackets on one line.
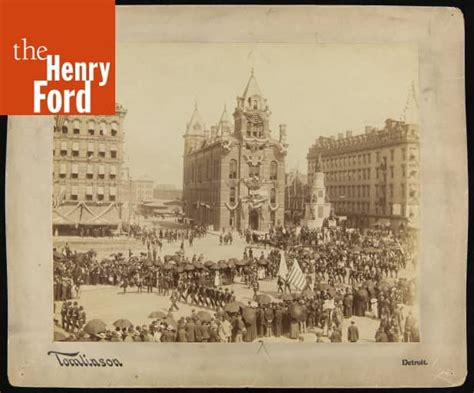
[(313, 89)]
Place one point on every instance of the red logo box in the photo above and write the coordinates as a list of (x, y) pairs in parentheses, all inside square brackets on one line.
[(82, 77)]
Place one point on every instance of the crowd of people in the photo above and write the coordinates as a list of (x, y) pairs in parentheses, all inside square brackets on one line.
[(348, 273)]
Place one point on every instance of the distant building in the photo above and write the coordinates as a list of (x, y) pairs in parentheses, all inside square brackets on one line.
[(141, 189), (234, 175), (87, 169), (167, 191), (296, 195)]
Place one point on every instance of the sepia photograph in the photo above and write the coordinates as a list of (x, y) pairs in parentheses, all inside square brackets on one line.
[(274, 181), (271, 195)]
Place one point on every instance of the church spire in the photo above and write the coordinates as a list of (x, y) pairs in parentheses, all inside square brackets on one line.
[(195, 126)]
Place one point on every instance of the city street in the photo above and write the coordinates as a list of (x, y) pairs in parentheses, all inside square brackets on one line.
[(109, 303)]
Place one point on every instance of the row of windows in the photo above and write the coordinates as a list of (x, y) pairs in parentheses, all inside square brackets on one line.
[(357, 159), (93, 128), (354, 207), (363, 191), (365, 174), (90, 132), (98, 197), (211, 170), (90, 153)]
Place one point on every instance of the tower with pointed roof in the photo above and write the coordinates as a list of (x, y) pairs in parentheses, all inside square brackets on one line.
[(251, 116), (195, 131)]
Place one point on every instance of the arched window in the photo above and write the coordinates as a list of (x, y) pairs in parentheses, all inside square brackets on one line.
[(272, 196), (273, 170), (233, 169), (232, 195)]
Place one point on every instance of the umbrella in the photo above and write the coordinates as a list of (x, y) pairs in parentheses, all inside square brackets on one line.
[(222, 264), (157, 315), (180, 269), (221, 261), (234, 260), (199, 265), (189, 267), (123, 323), (230, 263), (263, 299), (262, 262), (95, 326), (232, 307), (204, 316), (242, 262), (209, 263), (286, 296), (249, 315), (58, 336), (297, 312), (215, 267), (167, 266)]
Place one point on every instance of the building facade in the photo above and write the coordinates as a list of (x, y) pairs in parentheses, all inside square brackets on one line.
[(141, 189), (373, 177), (296, 196), (87, 168), (167, 191), (234, 174)]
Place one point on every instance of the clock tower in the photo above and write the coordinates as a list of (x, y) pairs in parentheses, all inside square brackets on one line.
[(251, 116)]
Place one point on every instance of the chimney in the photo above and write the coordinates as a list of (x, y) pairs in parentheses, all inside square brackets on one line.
[(206, 134), (368, 129), (213, 132), (283, 133), (348, 134), (340, 135)]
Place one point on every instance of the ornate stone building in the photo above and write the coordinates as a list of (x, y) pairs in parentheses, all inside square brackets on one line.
[(234, 174)]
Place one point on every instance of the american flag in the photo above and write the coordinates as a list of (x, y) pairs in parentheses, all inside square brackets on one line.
[(296, 276)]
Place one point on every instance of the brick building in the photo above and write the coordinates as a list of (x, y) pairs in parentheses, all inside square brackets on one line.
[(296, 196), (87, 169), (234, 174)]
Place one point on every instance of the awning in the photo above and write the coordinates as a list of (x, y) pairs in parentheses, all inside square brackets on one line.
[(63, 145), (90, 146), (112, 191), (102, 148), (75, 169), (62, 169), (75, 146), (101, 169)]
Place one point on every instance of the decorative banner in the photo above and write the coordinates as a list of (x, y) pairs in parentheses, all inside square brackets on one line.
[(57, 57)]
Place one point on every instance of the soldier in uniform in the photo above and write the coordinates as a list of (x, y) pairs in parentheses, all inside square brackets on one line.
[(82, 318), (64, 312)]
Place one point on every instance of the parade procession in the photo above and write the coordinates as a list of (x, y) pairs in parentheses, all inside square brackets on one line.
[(247, 250)]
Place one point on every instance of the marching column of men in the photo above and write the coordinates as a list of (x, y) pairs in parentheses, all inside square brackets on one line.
[(200, 295)]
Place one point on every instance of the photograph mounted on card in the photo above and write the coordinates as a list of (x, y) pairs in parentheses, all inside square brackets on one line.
[(284, 207)]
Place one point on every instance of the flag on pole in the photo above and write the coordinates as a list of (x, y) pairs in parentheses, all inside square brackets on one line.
[(296, 276), (283, 269)]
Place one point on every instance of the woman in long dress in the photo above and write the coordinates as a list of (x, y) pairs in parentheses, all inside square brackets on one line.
[(217, 279), (294, 329)]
